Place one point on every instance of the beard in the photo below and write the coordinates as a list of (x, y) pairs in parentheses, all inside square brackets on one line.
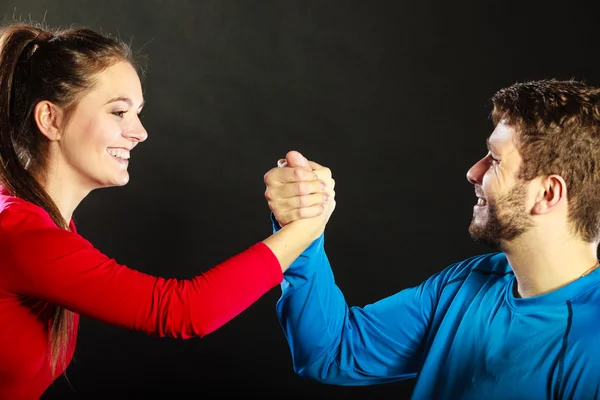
[(506, 219)]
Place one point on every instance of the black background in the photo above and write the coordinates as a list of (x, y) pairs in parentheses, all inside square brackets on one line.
[(391, 95)]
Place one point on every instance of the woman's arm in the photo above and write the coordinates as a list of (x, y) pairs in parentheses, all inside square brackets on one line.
[(40, 260)]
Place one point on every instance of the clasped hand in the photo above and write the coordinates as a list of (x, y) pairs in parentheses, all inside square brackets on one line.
[(299, 189)]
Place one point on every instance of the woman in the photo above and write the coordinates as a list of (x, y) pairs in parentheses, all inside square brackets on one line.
[(69, 105)]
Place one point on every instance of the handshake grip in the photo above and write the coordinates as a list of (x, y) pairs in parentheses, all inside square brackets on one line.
[(299, 189)]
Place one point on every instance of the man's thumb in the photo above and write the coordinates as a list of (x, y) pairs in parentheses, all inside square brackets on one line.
[(296, 159)]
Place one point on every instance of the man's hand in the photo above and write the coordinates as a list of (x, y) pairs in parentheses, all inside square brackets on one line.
[(299, 189)]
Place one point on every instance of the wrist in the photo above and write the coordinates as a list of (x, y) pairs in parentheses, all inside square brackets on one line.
[(307, 230), (288, 243)]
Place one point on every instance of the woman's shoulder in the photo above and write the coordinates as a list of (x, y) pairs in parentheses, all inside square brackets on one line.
[(14, 212)]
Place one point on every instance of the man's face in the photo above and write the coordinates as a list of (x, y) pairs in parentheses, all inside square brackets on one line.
[(501, 212)]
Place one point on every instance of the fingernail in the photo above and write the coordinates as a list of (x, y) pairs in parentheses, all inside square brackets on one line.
[(323, 185), (326, 197)]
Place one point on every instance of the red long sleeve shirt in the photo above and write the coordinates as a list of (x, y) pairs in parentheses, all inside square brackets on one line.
[(42, 265)]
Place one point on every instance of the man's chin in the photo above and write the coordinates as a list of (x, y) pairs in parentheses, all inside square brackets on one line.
[(480, 236), (476, 228)]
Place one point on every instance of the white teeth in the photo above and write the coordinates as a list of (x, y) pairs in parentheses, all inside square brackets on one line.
[(481, 202), (123, 154)]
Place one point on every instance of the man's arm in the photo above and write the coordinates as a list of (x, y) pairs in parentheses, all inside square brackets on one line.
[(337, 344)]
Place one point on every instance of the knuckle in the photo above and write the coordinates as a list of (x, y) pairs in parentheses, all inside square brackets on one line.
[(269, 194), (267, 176), (302, 212), (301, 188), (319, 185), (324, 173), (298, 173)]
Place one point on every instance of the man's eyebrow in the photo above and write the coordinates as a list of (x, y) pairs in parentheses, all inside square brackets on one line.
[(125, 99), (489, 145)]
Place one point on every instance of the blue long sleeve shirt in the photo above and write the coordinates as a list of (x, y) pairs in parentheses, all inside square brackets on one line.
[(461, 333)]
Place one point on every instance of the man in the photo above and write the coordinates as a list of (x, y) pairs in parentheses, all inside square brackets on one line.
[(520, 323)]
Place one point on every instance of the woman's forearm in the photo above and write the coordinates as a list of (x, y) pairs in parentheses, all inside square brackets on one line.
[(290, 241)]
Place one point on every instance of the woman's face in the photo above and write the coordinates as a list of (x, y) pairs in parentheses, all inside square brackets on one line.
[(96, 144)]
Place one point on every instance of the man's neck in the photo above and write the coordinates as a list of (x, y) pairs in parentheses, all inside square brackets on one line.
[(542, 266)]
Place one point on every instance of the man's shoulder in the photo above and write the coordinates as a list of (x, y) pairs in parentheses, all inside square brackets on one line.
[(494, 264)]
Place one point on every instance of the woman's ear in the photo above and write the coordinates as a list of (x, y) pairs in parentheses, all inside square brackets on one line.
[(48, 117)]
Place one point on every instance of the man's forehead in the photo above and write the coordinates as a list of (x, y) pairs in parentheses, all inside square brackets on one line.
[(502, 135)]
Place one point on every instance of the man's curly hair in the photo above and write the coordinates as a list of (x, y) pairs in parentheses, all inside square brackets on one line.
[(557, 126)]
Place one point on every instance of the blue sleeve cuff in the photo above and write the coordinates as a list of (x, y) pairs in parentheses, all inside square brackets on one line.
[(275, 223)]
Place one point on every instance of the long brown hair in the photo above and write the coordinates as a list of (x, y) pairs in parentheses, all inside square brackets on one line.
[(58, 66)]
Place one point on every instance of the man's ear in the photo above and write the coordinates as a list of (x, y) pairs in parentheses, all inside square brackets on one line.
[(48, 117), (552, 191)]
